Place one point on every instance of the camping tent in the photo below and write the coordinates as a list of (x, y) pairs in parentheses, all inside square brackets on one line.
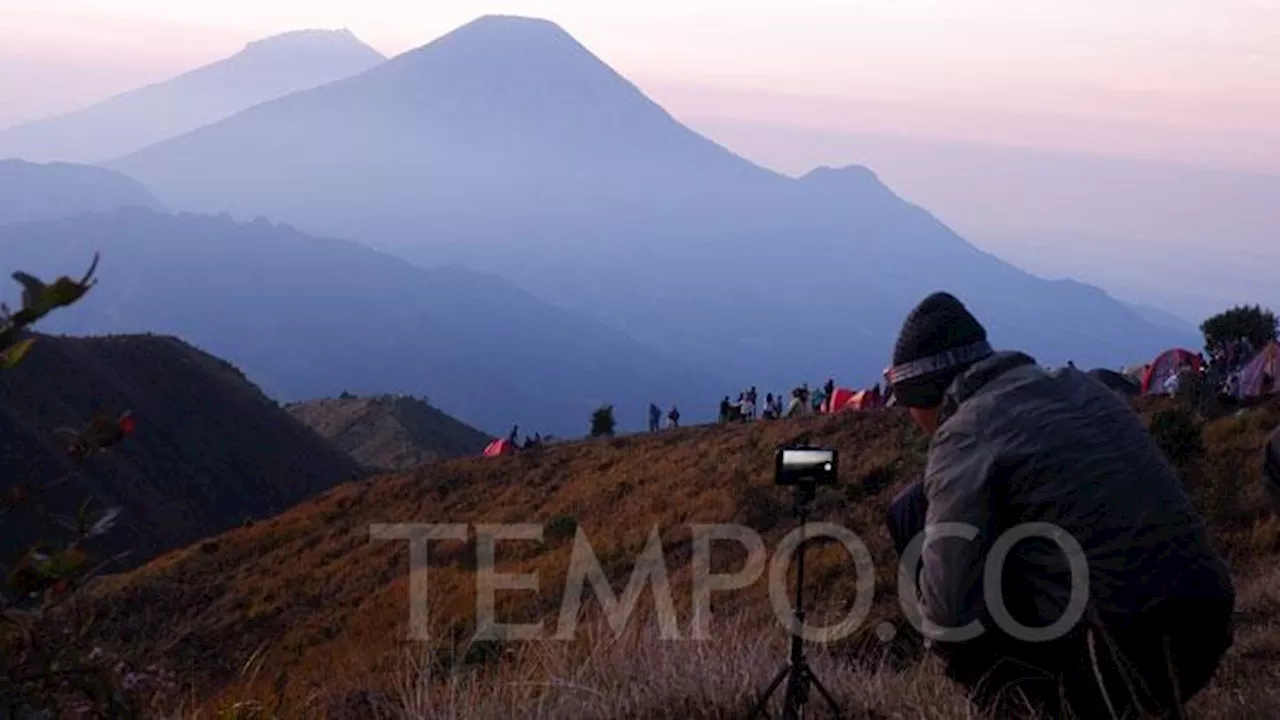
[(840, 397), (1266, 362), (1166, 364), (501, 446), (1122, 384), (845, 399)]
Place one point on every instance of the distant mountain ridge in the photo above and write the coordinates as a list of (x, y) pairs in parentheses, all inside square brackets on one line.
[(508, 147), (32, 192), (389, 432), (209, 450), (310, 317), (264, 70)]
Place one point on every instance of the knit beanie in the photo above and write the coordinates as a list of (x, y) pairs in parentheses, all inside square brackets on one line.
[(939, 340)]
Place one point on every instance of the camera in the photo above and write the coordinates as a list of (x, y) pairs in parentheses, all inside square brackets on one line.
[(807, 466)]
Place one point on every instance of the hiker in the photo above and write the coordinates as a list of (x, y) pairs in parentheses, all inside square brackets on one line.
[(751, 403), (674, 417), (724, 409), (829, 388), (655, 417), (1271, 468), (767, 414), (515, 431), (1012, 444), (748, 408), (818, 399)]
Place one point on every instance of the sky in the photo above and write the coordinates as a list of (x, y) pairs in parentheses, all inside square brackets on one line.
[(1187, 80)]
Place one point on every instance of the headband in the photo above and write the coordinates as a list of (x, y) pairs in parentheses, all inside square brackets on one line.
[(946, 359)]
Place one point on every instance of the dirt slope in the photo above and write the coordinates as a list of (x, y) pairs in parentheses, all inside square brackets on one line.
[(209, 449), (324, 611), (389, 432)]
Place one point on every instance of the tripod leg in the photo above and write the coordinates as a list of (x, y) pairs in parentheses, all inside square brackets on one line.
[(764, 697), (813, 679)]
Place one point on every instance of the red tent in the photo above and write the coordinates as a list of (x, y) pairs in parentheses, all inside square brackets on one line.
[(1166, 364), (840, 397), (499, 447), (845, 399)]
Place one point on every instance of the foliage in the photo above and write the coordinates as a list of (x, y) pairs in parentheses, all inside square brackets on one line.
[(602, 422), (1247, 321), (1179, 434), (36, 678)]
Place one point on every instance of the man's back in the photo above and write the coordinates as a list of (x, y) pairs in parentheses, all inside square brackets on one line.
[(1064, 450)]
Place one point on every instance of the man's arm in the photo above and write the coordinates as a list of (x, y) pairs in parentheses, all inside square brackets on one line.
[(958, 484)]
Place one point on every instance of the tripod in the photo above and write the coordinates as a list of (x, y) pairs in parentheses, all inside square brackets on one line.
[(796, 671)]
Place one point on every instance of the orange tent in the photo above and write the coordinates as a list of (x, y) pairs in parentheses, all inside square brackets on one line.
[(499, 447)]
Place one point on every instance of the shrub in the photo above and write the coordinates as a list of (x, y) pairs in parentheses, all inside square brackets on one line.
[(602, 422), (1178, 433)]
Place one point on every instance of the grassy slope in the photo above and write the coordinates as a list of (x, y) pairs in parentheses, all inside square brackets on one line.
[(306, 609), (389, 432)]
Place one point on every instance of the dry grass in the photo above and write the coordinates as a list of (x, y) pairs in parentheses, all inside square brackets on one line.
[(323, 611)]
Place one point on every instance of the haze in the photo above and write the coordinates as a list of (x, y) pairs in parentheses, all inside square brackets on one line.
[(1141, 77)]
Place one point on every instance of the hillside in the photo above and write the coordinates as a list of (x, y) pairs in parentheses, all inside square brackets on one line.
[(509, 147), (209, 450), (265, 69), (32, 192), (310, 317), (389, 432), (324, 610)]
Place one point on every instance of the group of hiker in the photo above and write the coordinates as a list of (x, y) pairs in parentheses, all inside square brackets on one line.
[(655, 417), (530, 443), (802, 401)]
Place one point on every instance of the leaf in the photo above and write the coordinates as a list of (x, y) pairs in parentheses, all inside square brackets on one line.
[(12, 355), (39, 299)]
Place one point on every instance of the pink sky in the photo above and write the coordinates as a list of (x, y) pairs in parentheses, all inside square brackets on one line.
[(1194, 80)]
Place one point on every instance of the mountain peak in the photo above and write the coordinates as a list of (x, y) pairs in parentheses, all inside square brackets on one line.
[(309, 40)]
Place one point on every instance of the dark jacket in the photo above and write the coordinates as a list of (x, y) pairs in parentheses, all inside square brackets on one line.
[(1271, 467), (1019, 444)]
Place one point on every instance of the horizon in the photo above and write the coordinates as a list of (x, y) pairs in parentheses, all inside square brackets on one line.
[(1037, 75)]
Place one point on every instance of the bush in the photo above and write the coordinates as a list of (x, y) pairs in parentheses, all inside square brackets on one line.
[(602, 422), (1178, 433)]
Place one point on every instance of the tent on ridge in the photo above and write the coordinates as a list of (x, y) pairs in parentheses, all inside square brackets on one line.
[(1166, 364), (501, 446), (1120, 383), (845, 399), (1266, 362)]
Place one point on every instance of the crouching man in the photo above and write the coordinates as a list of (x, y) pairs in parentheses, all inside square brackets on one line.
[(1113, 603)]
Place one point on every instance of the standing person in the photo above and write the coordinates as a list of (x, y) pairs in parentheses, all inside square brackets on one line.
[(829, 388), (674, 416), (655, 417), (751, 403), (1012, 444)]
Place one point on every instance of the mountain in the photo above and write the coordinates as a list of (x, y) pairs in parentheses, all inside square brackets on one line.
[(209, 449), (30, 192), (389, 432), (263, 70), (308, 317), (508, 147), (1189, 239)]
